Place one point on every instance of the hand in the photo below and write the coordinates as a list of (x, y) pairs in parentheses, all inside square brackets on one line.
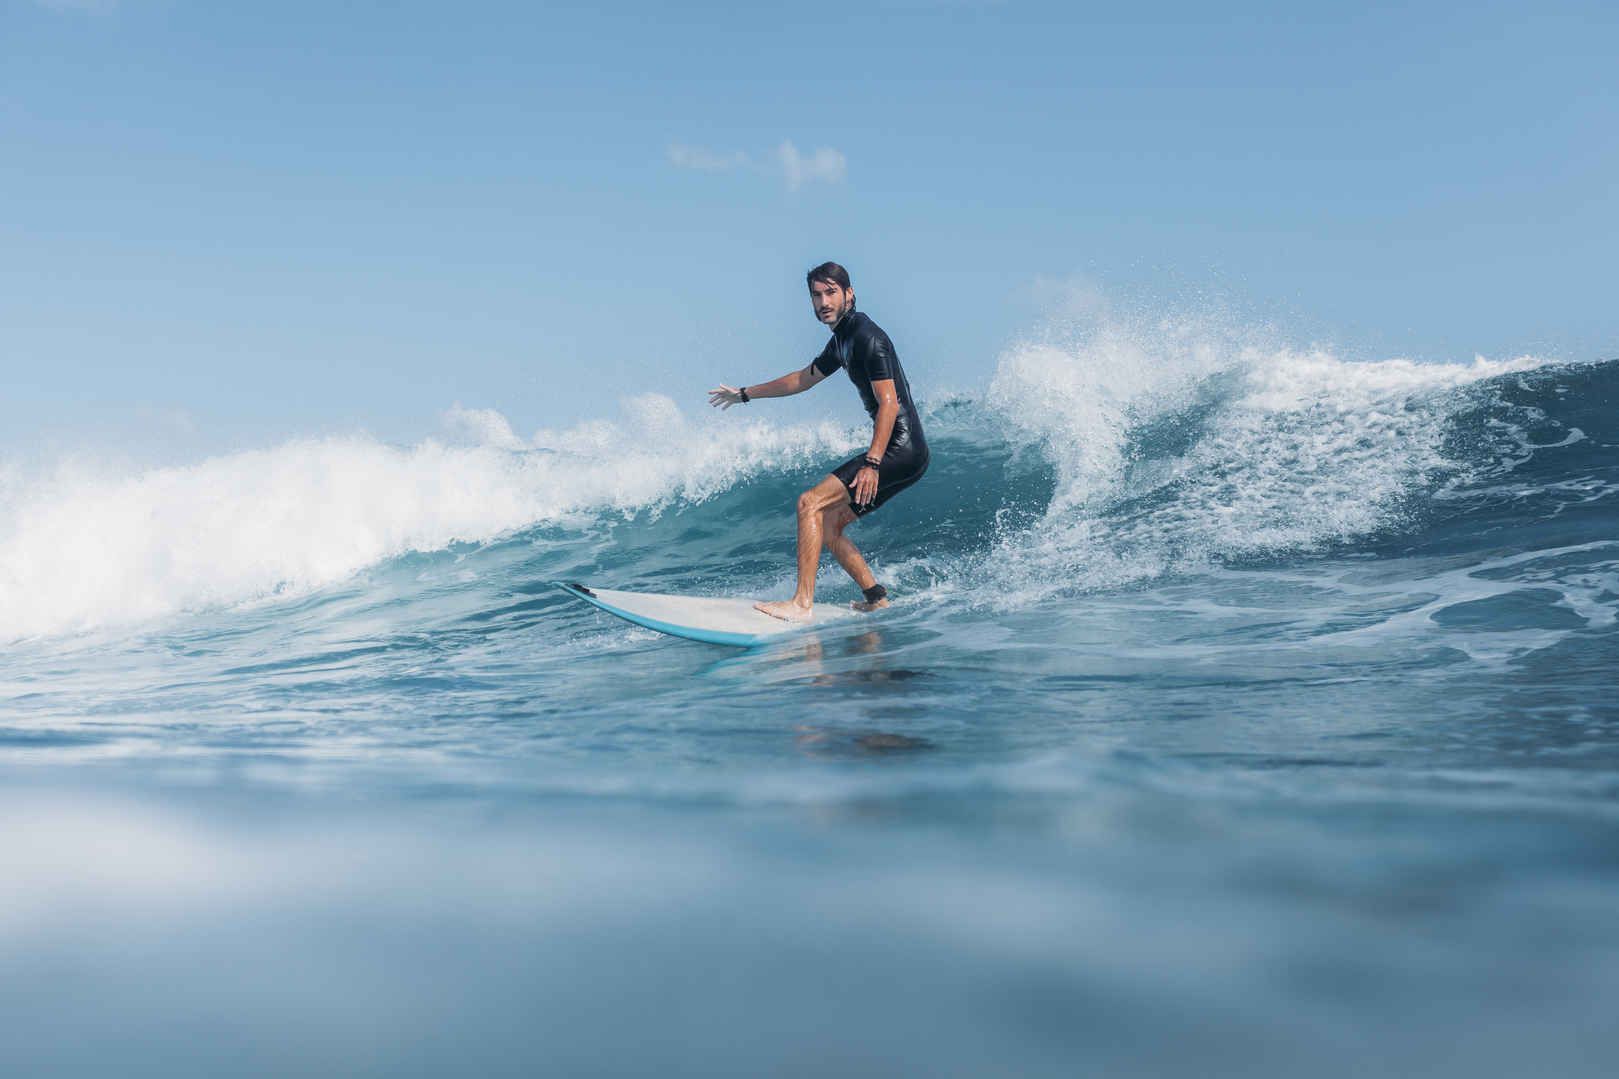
[(865, 486), (725, 396)]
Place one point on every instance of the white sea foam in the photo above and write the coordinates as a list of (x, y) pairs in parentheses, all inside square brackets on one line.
[(1178, 444), (83, 546)]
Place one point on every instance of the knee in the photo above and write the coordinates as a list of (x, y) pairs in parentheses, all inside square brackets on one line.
[(808, 504)]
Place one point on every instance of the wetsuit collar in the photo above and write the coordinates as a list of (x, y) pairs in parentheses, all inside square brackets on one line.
[(845, 323)]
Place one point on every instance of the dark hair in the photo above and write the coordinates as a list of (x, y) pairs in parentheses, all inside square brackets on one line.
[(828, 271), (834, 274)]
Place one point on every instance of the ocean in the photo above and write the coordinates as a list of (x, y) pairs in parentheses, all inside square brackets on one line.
[(1241, 711)]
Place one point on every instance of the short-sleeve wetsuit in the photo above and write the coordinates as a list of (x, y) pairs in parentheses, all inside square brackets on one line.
[(860, 347)]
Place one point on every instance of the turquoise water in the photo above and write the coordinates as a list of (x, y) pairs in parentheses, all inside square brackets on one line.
[(1239, 713)]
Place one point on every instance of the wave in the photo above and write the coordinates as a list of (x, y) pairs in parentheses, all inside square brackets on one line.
[(1093, 461), (82, 548), (1180, 450)]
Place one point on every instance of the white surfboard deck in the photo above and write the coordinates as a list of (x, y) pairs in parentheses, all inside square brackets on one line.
[(714, 620)]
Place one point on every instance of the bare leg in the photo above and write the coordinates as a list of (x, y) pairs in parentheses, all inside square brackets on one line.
[(833, 522), (825, 495)]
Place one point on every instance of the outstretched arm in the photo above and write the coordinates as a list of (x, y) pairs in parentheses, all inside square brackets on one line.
[(794, 382)]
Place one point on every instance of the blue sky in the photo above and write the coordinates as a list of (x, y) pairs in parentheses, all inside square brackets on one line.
[(222, 224)]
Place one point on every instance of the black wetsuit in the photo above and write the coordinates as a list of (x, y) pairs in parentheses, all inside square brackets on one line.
[(860, 347)]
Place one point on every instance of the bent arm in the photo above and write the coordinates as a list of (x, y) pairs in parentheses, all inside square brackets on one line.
[(887, 412)]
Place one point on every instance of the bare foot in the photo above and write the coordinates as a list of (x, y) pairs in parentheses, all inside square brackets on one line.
[(866, 608), (786, 610)]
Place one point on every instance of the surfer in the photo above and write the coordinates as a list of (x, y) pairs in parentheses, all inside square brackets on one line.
[(897, 457)]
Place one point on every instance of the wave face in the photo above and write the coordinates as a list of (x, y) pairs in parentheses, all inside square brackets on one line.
[(1086, 466), (1117, 501)]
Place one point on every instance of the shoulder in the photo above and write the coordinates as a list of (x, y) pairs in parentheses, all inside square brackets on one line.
[(870, 338), (864, 331)]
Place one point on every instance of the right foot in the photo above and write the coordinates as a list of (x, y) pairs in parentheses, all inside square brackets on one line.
[(866, 608), (786, 610)]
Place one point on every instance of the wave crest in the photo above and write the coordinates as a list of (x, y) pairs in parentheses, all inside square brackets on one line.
[(1175, 449), (82, 548)]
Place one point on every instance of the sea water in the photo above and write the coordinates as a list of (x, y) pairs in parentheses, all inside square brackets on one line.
[(1241, 711)]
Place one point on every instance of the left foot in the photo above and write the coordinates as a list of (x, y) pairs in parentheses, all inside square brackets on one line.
[(786, 610), (866, 608)]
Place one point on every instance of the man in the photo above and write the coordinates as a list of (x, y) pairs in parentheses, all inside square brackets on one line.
[(897, 457)]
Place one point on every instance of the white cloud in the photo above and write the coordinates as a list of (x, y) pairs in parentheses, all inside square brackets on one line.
[(825, 165)]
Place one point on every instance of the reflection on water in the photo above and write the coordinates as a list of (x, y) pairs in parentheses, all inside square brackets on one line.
[(873, 742), (860, 662), (842, 661)]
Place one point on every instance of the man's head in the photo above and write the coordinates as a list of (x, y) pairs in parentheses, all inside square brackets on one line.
[(831, 296)]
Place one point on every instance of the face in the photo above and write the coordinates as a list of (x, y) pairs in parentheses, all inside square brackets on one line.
[(829, 301)]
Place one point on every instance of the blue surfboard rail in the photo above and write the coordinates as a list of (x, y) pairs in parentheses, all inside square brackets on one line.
[(690, 633)]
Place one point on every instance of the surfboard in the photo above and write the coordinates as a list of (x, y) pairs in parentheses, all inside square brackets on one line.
[(711, 619)]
